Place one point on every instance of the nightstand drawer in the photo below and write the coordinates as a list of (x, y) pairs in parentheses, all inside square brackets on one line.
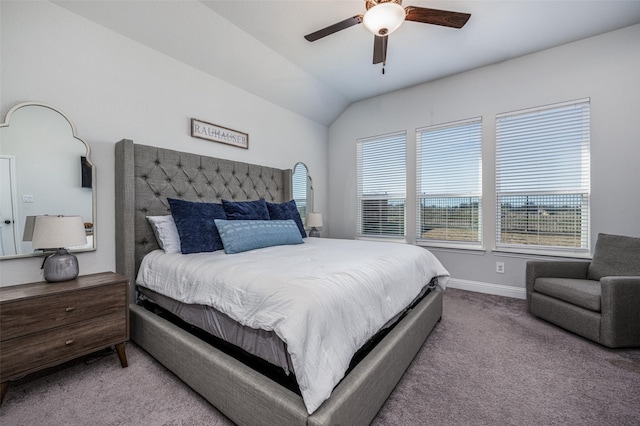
[(24, 317), (35, 351)]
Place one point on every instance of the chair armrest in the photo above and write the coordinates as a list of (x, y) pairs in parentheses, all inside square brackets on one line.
[(620, 311), (560, 269)]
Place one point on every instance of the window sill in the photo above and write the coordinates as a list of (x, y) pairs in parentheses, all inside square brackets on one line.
[(539, 254), (387, 239), (464, 249)]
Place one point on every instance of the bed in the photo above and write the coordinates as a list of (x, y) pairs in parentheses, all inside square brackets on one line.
[(145, 178)]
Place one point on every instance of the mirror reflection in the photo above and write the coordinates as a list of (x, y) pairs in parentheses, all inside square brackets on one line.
[(45, 170), (302, 190)]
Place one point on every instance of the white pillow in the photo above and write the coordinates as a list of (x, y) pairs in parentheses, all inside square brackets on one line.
[(166, 233)]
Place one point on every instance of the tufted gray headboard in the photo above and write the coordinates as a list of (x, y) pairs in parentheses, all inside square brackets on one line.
[(146, 176)]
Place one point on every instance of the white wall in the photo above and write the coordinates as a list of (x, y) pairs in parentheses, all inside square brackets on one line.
[(605, 68), (114, 88)]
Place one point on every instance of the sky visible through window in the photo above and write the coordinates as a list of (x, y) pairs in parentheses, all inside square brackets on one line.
[(383, 171), (451, 161), (543, 152)]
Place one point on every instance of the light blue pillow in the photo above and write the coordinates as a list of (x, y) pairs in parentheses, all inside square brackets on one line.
[(242, 235)]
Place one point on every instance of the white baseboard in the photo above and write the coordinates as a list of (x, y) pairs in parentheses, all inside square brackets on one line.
[(480, 287)]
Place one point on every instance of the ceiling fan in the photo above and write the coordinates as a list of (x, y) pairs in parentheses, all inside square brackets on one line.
[(385, 16)]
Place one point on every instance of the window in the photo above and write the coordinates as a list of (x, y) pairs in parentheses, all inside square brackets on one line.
[(382, 185), (542, 177), (449, 182)]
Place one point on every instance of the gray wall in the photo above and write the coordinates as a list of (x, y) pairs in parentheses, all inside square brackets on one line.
[(605, 68)]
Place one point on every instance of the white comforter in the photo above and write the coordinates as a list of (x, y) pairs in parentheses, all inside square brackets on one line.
[(324, 298)]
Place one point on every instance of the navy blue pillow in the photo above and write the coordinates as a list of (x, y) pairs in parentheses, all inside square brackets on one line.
[(196, 225), (246, 210), (284, 211)]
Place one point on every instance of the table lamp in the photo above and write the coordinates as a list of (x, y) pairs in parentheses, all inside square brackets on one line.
[(314, 221), (56, 233)]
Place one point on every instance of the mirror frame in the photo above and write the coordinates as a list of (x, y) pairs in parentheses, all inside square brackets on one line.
[(308, 189), (94, 212)]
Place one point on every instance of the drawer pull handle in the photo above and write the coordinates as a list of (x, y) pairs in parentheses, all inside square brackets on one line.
[(69, 309), (68, 342)]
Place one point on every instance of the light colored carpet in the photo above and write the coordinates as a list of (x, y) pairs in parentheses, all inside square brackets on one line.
[(486, 363)]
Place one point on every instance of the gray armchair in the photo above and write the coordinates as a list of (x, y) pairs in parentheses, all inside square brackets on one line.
[(599, 300)]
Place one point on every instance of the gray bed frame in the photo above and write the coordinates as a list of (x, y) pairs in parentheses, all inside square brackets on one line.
[(145, 177)]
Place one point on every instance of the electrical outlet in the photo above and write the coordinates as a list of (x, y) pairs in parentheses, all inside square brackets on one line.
[(27, 198), (500, 267)]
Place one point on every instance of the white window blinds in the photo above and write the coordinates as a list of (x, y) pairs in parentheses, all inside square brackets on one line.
[(449, 182), (382, 185), (542, 177)]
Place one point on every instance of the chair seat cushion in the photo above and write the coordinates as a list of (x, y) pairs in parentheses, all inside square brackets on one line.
[(583, 293)]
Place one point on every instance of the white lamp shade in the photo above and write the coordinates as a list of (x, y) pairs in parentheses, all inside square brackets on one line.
[(58, 232), (384, 16), (314, 220)]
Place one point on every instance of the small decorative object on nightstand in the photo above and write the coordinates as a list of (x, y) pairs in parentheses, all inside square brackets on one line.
[(58, 232), (314, 220), (43, 325)]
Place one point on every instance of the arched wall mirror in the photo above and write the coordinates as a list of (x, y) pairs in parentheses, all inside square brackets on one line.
[(302, 190), (45, 170)]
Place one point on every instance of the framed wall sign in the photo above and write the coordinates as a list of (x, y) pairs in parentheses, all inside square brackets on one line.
[(212, 132)]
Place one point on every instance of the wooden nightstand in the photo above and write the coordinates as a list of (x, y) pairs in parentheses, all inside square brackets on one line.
[(45, 324)]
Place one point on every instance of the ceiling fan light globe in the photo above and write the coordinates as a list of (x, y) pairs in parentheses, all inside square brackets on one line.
[(384, 18)]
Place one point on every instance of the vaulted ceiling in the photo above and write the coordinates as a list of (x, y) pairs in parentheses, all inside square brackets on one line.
[(259, 47)]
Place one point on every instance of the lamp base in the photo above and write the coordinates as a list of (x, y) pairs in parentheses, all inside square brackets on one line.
[(314, 232), (60, 266)]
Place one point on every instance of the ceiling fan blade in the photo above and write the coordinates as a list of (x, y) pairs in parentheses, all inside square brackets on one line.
[(380, 49), (437, 17), (349, 22)]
